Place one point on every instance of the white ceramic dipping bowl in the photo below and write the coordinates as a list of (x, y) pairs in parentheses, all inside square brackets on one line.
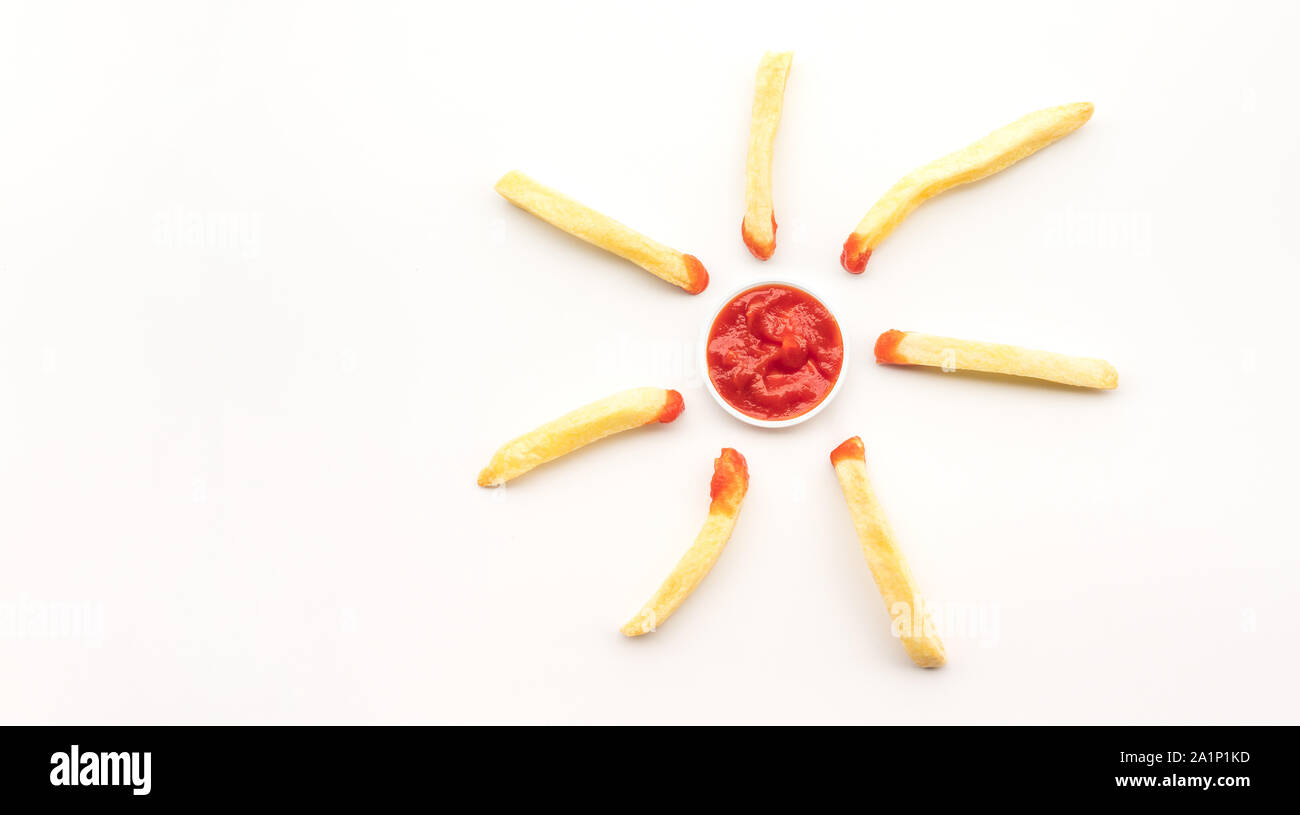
[(802, 417)]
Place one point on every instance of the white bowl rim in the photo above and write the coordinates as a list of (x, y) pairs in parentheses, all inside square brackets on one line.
[(704, 354)]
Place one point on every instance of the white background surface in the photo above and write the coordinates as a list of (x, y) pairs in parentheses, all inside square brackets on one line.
[(262, 319)]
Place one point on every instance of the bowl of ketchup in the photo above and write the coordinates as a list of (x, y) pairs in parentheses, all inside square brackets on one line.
[(774, 355)]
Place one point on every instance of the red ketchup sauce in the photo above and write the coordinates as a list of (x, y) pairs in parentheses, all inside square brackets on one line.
[(774, 352)]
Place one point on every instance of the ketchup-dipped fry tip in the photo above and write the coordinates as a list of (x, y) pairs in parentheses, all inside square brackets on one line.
[(849, 448), (855, 255), (887, 346), (697, 275), (673, 407), (730, 480), (758, 245)]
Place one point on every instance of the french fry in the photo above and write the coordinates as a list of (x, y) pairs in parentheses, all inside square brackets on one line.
[(758, 229), (726, 492), (605, 417), (911, 348), (563, 212), (888, 566), (996, 151)]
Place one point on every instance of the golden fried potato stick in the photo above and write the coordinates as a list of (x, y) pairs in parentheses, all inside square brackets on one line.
[(561, 211), (996, 151), (613, 414), (758, 229), (726, 491), (888, 566), (910, 348)]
